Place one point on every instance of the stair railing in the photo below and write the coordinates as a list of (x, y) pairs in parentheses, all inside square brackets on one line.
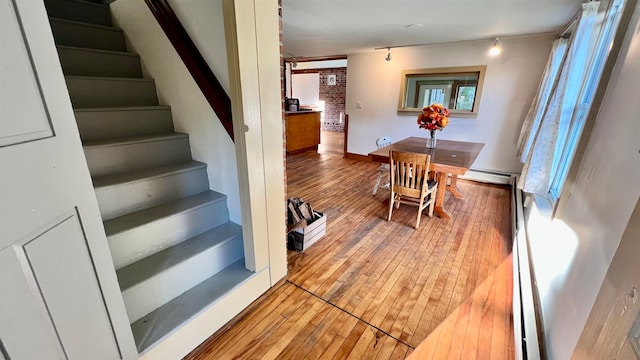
[(193, 60)]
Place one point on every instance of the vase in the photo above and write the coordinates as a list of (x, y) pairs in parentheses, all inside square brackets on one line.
[(431, 141)]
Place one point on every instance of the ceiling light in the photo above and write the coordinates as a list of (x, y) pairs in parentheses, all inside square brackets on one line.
[(294, 63), (496, 49), (387, 58)]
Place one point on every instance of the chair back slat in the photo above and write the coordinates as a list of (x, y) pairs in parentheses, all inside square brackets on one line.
[(384, 167), (409, 182), (384, 141), (409, 172)]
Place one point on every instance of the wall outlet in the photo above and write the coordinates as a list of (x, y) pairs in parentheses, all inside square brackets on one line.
[(359, 105)]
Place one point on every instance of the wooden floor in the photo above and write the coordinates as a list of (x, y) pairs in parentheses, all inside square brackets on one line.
[(331, 143), (372, 289)]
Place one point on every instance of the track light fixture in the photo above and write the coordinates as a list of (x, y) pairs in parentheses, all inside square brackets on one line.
[(387, 57), (496, 49)]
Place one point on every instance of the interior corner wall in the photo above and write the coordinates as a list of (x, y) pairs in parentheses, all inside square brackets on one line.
[(191, 112), (510, 83), (571, 255)]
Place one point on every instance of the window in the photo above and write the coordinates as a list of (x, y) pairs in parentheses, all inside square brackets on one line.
[(557, 117), (457, 88), (579, 98)]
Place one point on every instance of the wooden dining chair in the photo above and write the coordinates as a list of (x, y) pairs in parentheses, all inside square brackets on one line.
[(383, 170), (410, 182)]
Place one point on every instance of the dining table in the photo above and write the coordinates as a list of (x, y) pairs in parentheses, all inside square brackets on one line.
[(449, 157)]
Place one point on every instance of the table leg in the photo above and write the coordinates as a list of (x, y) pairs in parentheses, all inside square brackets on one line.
[(452, 188), (442, 186)]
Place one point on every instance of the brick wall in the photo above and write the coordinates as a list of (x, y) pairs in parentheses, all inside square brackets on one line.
[(334, 96)]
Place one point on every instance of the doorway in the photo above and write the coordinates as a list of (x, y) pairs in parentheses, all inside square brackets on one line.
[(321, 85)]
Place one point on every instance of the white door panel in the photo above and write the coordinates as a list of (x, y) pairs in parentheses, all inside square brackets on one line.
[(23, 314), (70, 290), (18, 84), (59, 297)]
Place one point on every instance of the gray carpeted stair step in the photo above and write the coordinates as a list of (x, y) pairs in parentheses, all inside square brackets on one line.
[(79, 34), (155, 326), (116, 122), (119, 155), (153, 281), (79, 10), (77, 61), (132, 191), (89, 91), (135, 236)]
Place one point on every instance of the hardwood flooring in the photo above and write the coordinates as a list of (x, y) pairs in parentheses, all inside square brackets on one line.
[(331, 143), (372, 289)]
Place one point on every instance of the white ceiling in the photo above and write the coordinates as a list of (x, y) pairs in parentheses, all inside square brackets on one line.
[(314, 28)]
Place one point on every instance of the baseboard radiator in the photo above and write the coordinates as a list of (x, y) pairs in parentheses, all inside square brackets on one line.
[(525, 322), (487, 176)]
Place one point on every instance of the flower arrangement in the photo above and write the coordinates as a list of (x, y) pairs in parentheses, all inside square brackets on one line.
[(433, 117)]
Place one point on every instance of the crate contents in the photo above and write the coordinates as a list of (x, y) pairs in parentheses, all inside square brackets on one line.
[(305, 225)]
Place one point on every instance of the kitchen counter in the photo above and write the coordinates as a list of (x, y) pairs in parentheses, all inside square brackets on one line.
[(300, 112), (302, 130)]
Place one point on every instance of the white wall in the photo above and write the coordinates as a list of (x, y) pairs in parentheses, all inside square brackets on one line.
[(192, 114), (306, 87), (204, 22), (510, 84), (616, 308), (571, 255)]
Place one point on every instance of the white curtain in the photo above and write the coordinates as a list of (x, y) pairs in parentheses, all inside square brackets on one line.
[(536, 110), (545, 131)]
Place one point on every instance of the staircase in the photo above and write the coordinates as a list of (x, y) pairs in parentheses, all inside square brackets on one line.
[(174, 249)]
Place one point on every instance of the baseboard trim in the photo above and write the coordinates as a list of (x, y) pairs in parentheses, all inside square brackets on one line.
[(357, 157), (298, 151)]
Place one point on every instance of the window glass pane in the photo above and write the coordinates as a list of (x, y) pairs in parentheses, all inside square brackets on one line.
[(465, 97), (432, 94), (437, 96)]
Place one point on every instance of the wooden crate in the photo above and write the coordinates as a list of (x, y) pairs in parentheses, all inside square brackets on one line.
[(313, 231)]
